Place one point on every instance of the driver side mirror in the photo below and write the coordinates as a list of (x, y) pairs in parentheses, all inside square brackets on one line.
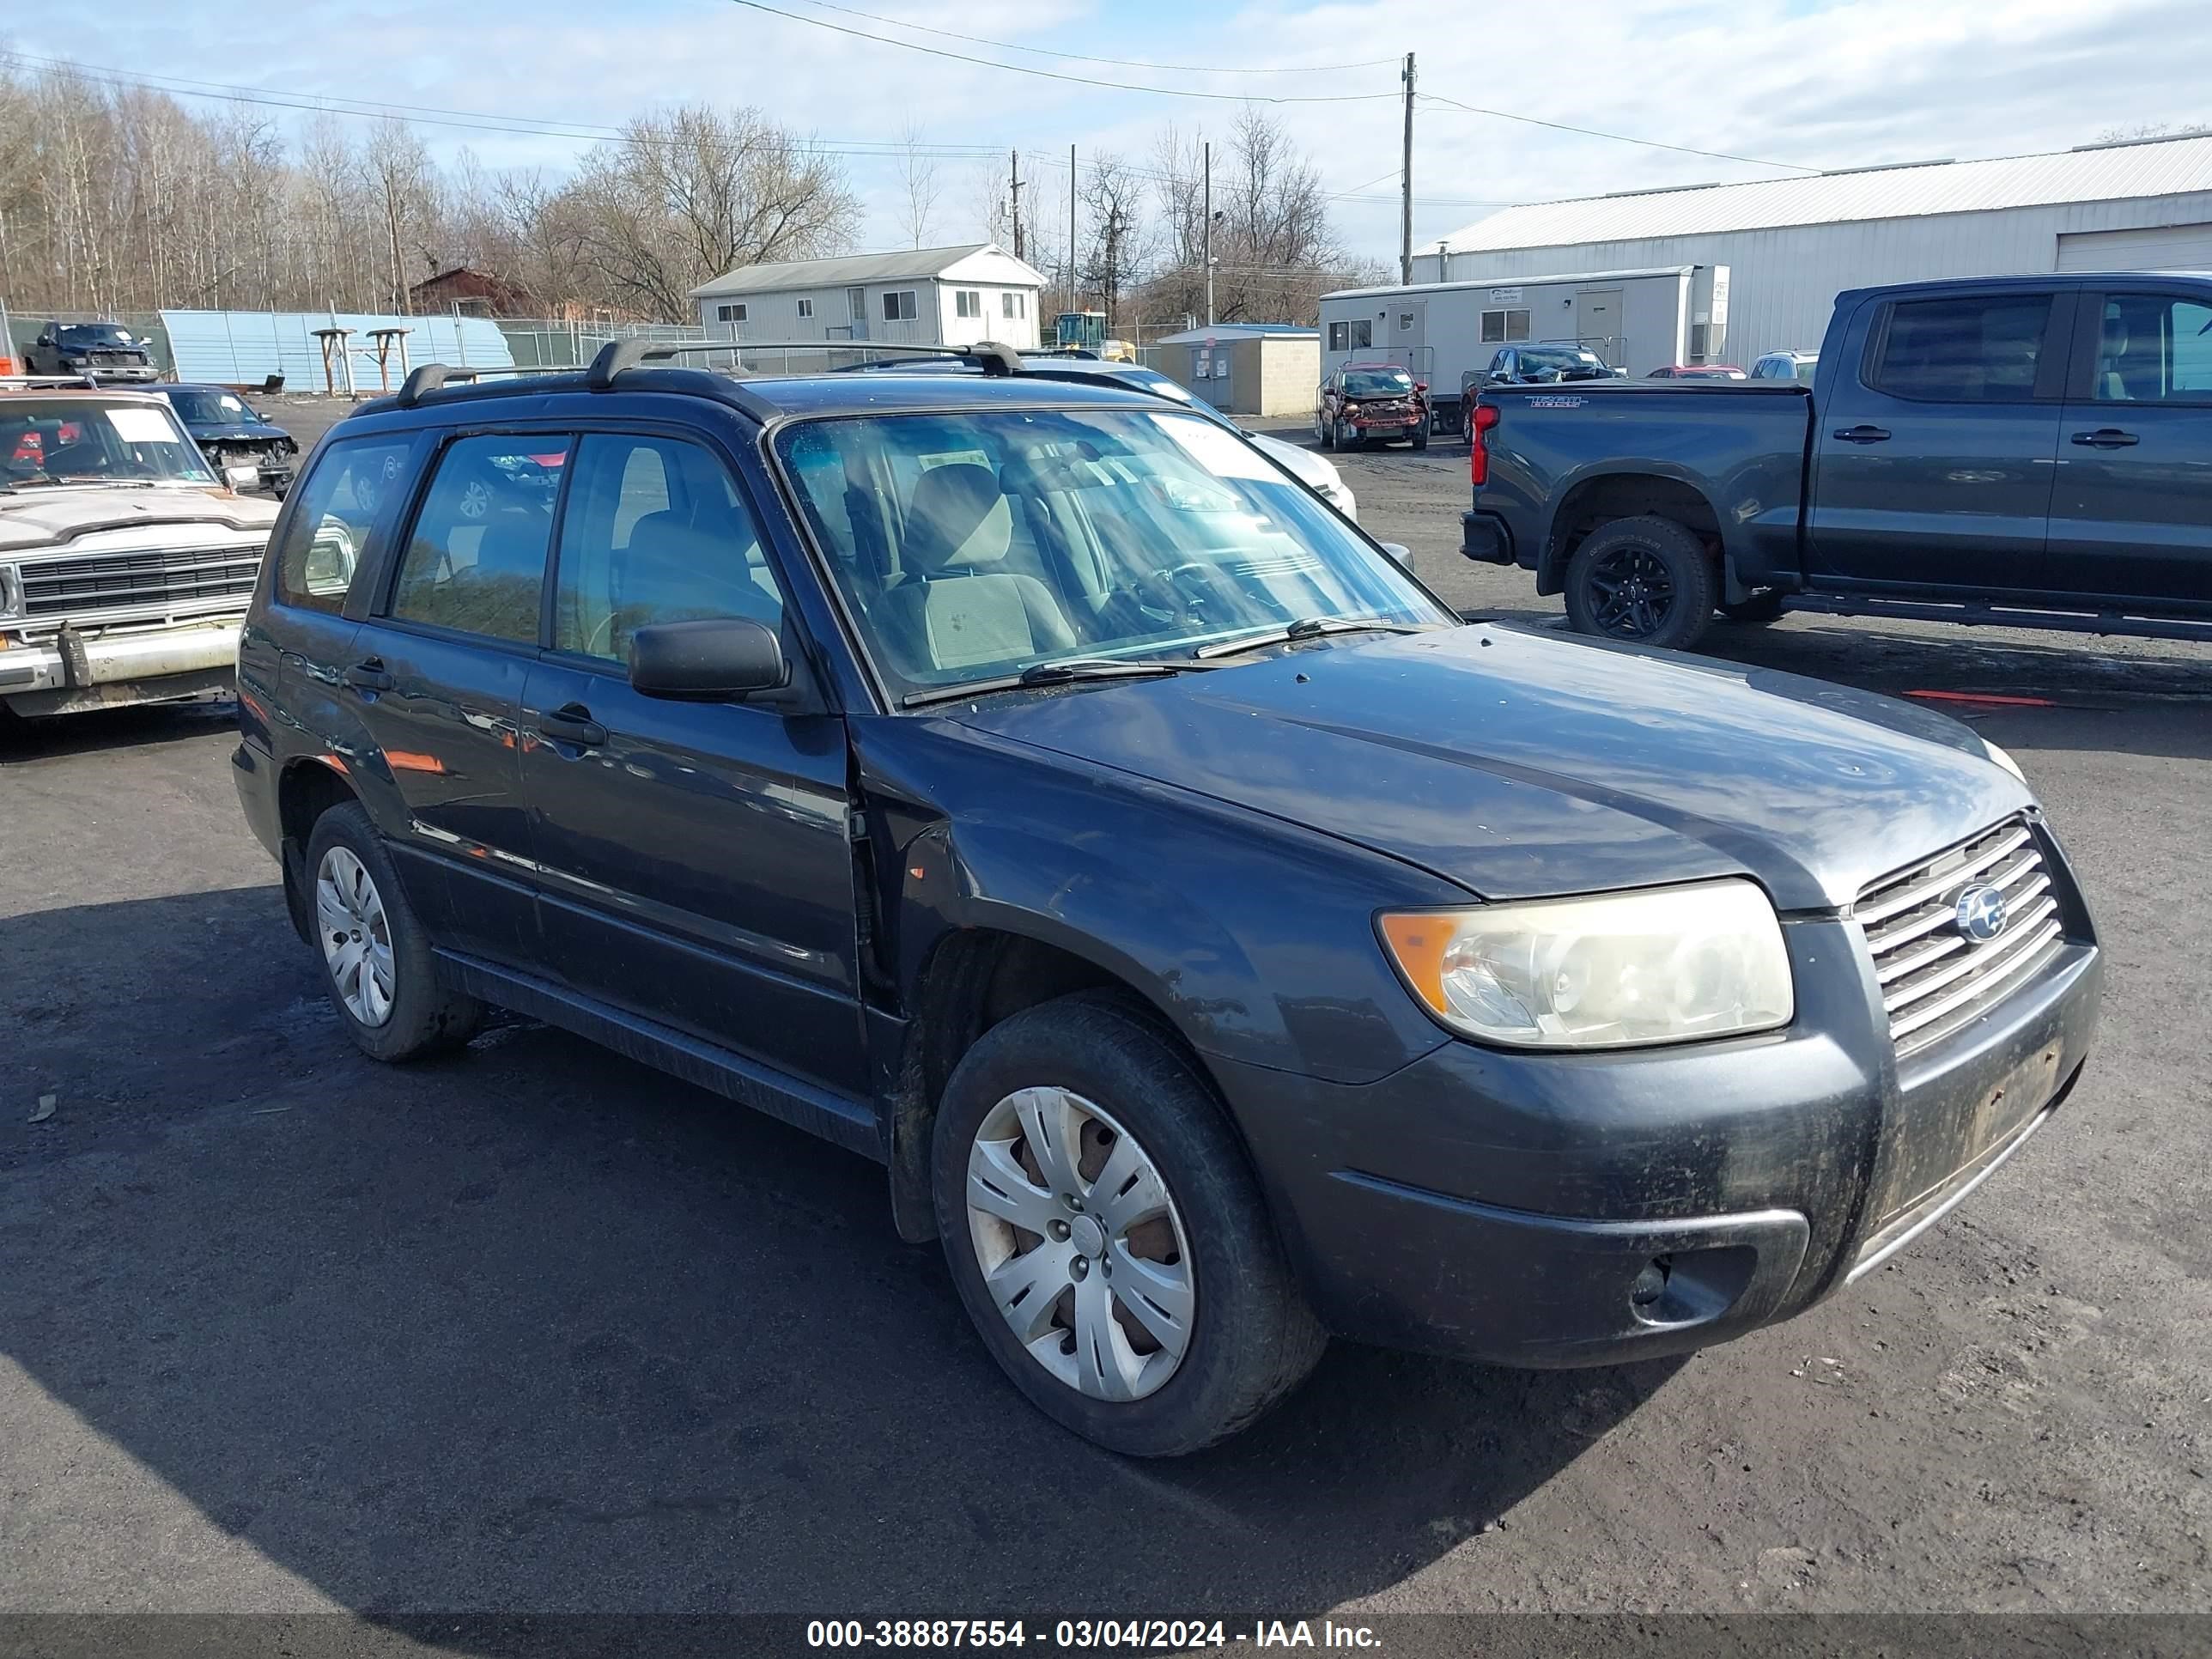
[(1400, 553), (718, 658)]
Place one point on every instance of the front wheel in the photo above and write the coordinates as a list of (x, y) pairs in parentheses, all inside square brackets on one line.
[(1107, 1237), (1421, 436), (1646, 579), (1346, 436)]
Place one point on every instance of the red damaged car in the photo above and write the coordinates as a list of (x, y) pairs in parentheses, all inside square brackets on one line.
[(1362, 402)]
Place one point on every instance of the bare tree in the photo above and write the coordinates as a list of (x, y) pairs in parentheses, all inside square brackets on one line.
[(689, 193), (1117, 238), (918, 186), (1275, 252)]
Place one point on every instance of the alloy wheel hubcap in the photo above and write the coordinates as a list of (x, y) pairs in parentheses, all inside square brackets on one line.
[(1631, 592), (1081, 1247), (356, 935)]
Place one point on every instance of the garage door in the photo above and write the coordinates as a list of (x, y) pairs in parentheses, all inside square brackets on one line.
[(2172, 247)]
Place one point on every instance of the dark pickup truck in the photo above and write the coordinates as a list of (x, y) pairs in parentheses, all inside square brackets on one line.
[(2034, 450)]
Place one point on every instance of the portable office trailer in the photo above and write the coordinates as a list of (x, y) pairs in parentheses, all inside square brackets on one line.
[(1635, 320)]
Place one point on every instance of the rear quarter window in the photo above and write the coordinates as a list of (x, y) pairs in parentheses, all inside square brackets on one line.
[(351, 482)]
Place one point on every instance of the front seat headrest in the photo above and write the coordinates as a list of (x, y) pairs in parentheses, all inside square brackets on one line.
[(958, 517)]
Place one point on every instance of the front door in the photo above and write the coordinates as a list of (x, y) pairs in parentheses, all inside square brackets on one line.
[(1598, 323), (1933, 456), (438, 673), (693, 856), (2132, 515)]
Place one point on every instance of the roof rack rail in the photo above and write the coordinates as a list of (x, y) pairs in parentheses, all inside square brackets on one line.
[(79, 380), (430, 376)]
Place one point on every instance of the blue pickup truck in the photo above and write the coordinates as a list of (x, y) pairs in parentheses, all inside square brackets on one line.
[(2035, 451)]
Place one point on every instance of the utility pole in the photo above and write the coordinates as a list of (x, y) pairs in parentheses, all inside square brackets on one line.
[(1072, 305), (1406, 187), (1018, 203), (1207, 235)]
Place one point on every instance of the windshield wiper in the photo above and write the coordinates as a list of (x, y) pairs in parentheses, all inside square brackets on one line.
[(1306, 628), (1062, 673)]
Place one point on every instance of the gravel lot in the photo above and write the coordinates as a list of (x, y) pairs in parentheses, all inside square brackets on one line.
[(536, 1329)]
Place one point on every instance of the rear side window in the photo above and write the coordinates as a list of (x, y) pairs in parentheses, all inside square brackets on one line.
[(655, 532), (476, 558), (1976, 348), (333, 510)]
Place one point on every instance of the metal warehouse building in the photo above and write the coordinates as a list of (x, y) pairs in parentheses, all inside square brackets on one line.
[(1792, 243)]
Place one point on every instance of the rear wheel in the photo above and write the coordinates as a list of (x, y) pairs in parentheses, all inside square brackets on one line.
[(1108, 1238), (1647, 579), (377, 965)]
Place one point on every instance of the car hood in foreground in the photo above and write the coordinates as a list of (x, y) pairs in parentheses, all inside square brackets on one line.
[(46, 516), (1519, 765)]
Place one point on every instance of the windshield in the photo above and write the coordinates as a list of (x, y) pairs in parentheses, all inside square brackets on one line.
[(203, 408), (87, 335), (972, 547), (1377, 383), (77, 440), (1537, 361)]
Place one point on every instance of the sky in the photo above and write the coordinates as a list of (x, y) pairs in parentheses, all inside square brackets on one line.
[(1811, 84)]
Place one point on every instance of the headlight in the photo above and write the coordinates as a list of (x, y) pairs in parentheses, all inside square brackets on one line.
[(2004, 760), (1667, 964), (11, 592)]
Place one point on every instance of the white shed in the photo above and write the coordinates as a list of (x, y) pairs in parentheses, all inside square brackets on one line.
[(952, 296), (1790, 245)]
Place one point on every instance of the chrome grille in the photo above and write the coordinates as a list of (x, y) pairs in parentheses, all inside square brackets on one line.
[(1934, 978), (197, 579)]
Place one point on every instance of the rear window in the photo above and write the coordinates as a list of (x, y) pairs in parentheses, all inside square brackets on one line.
[(350, 484), (1970, 349)]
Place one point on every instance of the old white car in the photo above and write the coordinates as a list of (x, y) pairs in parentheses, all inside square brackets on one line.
[(126, 561)]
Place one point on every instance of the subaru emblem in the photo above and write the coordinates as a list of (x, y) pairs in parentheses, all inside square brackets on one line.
[(1981, 914)]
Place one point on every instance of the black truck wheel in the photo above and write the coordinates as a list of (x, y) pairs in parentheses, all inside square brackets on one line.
[(1646, 579)]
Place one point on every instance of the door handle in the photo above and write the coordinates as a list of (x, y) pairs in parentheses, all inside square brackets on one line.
[(572, 723), (368, 675), (1863, 435), (2106, 437)]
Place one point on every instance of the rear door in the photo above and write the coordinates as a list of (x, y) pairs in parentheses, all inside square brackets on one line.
[(1933, 456), (693, 857), (2131, 519), (438, 671)]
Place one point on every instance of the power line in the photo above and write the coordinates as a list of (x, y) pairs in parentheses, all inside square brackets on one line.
[(1057, 74), (1086, 57), (1617, 137)]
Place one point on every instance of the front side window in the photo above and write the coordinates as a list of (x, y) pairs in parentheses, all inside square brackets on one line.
[(1974, 348), (476, 558), (2154, 348), (655, 531), (352, 482), (898, 305), (974, 546)]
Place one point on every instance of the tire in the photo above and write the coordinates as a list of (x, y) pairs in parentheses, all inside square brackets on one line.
[(420, 1016), (1247, 1334), (1325, 430), (1759, 608), (1421, 437), (1648, 581), (1343, 436)]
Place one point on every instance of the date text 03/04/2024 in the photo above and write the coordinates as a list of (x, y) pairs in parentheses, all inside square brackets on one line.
[(1125, 1635)]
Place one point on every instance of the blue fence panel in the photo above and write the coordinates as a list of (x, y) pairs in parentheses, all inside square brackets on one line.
[(244, 347)]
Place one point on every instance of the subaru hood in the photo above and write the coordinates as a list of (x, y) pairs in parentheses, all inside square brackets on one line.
[(1523, 765)]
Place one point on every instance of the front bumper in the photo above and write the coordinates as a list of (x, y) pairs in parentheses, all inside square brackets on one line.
[(120, 373), (1592, 1209), (107, 670)]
